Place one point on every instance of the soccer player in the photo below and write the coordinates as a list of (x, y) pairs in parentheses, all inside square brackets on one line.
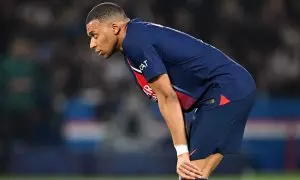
[(182, 74)]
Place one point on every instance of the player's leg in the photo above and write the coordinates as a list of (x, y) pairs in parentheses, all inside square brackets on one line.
[(231, 144), (208, 164), (217, 131)]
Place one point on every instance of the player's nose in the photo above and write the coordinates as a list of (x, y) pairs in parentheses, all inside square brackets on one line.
[(92, 44)]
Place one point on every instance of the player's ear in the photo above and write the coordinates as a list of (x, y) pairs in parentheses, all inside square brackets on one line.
[(116, 28)]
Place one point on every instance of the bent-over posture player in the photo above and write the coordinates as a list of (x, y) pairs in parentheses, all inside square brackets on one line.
[(182, 74)]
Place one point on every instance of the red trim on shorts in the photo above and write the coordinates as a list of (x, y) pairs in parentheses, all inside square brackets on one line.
[(223, 100)]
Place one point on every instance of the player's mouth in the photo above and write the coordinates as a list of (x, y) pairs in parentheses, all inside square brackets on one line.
[(99, 53)]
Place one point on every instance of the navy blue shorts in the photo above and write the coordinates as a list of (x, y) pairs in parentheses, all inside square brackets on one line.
[(218, 128)]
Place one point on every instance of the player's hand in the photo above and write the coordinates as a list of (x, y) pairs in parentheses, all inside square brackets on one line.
[(185, 169)]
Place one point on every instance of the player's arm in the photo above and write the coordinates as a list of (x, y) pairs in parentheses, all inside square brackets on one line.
[(156, 74), (154, 70), (170, 108)]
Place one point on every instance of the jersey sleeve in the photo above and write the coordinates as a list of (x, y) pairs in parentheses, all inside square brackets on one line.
[(152, 66)]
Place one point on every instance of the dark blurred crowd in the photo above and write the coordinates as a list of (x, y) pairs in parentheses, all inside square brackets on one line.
[(48, 75)]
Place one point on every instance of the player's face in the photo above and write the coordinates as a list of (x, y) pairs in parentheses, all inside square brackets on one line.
[(102, 38)]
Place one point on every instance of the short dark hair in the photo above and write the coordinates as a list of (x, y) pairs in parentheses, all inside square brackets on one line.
[(103, 11)]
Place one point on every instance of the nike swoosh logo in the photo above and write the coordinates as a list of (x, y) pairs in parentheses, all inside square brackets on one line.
[(193, 152)]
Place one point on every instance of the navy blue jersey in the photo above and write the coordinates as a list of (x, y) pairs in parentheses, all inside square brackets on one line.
[(193, 66)]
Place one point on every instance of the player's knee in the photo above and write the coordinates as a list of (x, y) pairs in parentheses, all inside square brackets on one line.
[(208, 165), (200, 163)]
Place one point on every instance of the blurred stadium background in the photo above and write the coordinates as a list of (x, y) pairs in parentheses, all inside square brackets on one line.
[(67, 114)]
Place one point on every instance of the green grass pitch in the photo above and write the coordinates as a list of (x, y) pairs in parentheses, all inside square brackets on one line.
[(246, 177)]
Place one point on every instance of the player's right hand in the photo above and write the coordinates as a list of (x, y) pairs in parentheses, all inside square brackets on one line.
[(185, 169)]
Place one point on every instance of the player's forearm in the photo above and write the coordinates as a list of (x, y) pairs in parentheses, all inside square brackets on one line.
[(170, 108)]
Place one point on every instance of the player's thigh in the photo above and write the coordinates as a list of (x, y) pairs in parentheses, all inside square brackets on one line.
[(207, 131), (218, 130), (231, 144)]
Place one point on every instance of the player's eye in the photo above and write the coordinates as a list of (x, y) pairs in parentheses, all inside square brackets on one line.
[(95, 36), (92, 35)]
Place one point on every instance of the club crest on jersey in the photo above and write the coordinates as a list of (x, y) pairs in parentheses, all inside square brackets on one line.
[(143, 65)]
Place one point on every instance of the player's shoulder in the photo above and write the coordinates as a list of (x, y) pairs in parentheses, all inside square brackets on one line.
[(137, 38), (145, 26), (139, 32)]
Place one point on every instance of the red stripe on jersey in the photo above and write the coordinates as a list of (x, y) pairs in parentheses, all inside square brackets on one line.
[(185, 100), (143, 83)]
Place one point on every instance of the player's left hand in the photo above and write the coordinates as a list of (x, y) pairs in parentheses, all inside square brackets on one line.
[(185, 169)]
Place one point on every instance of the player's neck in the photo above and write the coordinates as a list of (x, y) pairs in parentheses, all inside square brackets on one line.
[(122, 37)]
